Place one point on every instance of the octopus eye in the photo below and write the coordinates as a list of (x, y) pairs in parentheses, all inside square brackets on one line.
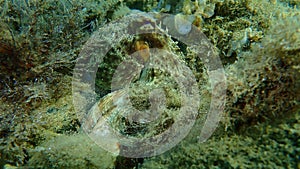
[(143, 50)]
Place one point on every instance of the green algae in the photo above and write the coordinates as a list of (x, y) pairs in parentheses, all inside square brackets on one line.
[(258, 42), (74, 151), (238, 151)]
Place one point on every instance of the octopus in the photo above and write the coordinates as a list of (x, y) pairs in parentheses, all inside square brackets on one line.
[(156, 97), (143, 50)]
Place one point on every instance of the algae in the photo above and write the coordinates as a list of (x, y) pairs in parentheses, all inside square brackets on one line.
[(74, 151), (238, 151), (257, 41)]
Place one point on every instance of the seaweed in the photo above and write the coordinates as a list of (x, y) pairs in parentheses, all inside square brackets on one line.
[(258, 42)]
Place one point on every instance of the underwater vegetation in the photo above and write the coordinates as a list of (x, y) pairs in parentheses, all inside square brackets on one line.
[(258, 42)]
